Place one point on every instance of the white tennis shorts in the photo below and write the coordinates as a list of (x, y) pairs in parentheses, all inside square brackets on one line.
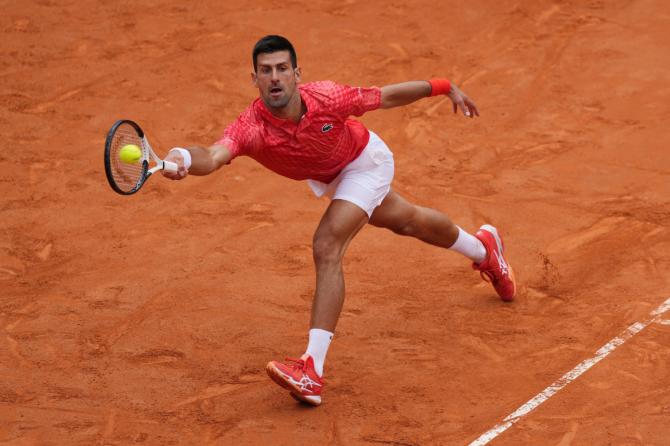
[(365, 181)]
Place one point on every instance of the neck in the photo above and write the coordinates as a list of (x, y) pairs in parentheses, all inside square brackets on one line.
[(292, 111)]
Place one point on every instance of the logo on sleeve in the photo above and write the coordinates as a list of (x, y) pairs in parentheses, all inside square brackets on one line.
[(326, 128)]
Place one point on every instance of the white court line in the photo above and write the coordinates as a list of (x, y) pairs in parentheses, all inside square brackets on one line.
[(655, 316)]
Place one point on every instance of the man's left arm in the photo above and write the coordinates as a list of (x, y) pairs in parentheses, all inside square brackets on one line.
[(396, 95)]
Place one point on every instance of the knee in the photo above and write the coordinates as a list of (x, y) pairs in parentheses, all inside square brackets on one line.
[(409, 225), (326, 250)]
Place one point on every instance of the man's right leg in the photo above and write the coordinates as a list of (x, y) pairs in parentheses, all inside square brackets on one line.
[(302, 377), (433, 227)]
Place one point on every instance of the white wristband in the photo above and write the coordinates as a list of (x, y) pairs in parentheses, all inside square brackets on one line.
[(185, 154)]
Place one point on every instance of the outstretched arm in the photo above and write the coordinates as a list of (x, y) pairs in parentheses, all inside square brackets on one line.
[(396, 95), (203, 161)]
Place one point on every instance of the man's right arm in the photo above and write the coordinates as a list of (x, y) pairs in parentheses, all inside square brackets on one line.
[(203, 160)]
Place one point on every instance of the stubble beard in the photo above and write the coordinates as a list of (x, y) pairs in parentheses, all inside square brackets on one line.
[(281, 102), (278, 103)]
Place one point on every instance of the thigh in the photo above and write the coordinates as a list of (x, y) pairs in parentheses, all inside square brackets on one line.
[(365, 181), (340, 223), (393, 213)]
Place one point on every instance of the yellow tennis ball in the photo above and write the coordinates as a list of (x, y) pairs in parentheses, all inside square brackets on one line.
[(130, 154)]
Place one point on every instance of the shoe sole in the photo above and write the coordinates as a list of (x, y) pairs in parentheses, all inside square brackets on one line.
[(501, 248), (309, 400), (278, 377), (511, 276)]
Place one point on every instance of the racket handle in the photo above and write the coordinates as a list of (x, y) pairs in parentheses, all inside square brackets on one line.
[(169, 166)]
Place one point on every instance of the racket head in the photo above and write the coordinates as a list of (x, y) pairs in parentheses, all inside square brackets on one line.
[(125, 178)]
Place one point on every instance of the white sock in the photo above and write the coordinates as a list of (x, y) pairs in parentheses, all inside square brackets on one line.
[(469, 246), (319, 341)]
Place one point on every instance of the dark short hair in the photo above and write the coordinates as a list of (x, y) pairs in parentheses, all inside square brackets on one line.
[(272, 44)]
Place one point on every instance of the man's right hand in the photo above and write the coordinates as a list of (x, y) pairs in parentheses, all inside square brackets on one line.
[(203, 160), (178, 159)]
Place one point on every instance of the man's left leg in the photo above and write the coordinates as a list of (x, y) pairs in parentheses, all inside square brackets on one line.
[(485, 249), (428, 225), (302, 377)]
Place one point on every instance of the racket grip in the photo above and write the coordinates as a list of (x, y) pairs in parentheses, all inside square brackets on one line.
[(169, 166)]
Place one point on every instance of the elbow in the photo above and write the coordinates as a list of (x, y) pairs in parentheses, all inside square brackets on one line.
[(387, 102), (387, 99)]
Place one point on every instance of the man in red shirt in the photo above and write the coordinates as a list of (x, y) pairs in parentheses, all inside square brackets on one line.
[(304, 132)]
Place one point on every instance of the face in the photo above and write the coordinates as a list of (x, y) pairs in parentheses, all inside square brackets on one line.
[(276, 78)]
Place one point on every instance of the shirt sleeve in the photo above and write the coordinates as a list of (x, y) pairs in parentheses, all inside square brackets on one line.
[(355, 100), (238, 136)]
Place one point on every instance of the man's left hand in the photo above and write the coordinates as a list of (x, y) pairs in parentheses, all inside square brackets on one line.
[(460, 100)]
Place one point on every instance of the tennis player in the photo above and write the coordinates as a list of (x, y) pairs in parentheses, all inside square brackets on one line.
[(304, 131)]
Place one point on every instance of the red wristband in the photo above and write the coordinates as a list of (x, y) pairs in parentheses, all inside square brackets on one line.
[(439, 86)]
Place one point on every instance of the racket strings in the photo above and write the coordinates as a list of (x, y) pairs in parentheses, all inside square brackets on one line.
[(127, 176)]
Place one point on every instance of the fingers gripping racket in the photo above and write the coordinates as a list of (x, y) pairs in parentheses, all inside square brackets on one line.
[(127, 158)]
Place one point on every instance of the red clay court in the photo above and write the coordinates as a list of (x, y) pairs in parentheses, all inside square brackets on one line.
[(149, 319)]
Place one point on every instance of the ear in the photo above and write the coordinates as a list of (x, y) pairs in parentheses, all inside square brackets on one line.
[(298, 74), (254, 79)]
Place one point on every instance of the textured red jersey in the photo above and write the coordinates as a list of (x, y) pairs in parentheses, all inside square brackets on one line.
[(316, 148)]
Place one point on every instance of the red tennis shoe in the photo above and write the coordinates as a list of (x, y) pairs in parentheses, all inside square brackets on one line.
[(299, 377), (494, 268)]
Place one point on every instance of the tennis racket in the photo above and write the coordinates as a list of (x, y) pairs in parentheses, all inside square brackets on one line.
[(125, 177)]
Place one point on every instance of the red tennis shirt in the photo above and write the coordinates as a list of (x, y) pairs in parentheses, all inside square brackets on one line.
[(320, 145)]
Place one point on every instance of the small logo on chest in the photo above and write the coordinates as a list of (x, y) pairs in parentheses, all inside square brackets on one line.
[(326, 128)]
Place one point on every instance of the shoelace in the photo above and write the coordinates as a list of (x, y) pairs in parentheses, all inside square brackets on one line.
[(296, 363), (488, 276), (300, 364)]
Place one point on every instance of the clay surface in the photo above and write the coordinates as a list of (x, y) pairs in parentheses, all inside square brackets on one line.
[(149, 319)]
